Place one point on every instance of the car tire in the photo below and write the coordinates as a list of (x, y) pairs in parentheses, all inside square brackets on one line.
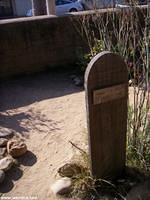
[(73, 10)]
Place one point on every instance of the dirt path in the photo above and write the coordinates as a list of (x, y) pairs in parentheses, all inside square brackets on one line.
[(48, 111)]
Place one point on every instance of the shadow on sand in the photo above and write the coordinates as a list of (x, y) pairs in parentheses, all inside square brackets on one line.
[(30, 120), (26, 90), (15, 173), (28, 159)]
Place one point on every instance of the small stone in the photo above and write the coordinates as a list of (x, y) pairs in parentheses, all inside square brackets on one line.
[(6, 163), (132, 184), (78, 81), (62, 186), (16, 148), (121, 180), (2, 151), (141, 191), (2, 176), (73, 76), (3, 142), (135, 173), (130, 82), (70, 170), (5, 133)]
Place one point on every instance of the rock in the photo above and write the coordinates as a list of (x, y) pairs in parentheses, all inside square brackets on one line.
[(62, 186), (142, 191), (3, 142), (78, 81), (131, 184), (69, 170), (6, 163), (136, 174), (130, 82), (5, 133), (73, 76), (2, 151), (121, 180), (2, 176), (16, 148)]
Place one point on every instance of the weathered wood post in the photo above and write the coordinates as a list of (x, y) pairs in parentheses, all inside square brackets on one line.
[(106, 86)]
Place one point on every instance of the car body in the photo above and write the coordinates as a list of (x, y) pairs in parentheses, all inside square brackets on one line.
[(63, 7)]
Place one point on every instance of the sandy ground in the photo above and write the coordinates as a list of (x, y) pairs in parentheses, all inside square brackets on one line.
[(48, 111)]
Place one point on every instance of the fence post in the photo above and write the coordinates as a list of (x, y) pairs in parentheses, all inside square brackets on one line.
[(106, 87)]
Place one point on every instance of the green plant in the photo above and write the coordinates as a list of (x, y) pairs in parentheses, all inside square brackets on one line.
[(126, 32), (84, 59), (84, 185), (87, 187), (138, 147)]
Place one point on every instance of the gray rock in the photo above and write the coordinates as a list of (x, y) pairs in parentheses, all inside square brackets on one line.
[(6, 163), (5, 133), (2, 176), (2, 151), (141, 191), (3, 142), (62, 186), (78, 81), (73, 76)]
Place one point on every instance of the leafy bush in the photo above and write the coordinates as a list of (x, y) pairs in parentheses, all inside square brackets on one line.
[(84, 59), (138, 147)]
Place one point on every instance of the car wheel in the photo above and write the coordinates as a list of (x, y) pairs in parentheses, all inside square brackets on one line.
[(73, 10)]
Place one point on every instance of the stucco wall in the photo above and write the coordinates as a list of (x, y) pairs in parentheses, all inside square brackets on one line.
[(34, 44)]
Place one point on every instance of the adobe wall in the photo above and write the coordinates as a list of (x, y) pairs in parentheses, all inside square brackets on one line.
[(31, 45), (34, 44)]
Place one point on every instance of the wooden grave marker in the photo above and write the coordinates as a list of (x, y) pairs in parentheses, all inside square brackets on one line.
[(106, 87)]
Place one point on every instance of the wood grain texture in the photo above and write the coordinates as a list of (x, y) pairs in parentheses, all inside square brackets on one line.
[(107, 121)]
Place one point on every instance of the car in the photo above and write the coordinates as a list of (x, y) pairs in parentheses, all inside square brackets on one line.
[(63, 7)]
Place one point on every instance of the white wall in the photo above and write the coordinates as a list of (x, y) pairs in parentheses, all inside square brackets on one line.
[(22, 6)]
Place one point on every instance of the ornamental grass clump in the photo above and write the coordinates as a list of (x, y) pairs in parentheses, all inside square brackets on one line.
[(127, 33)]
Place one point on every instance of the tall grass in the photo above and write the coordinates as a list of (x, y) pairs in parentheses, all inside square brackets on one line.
[(127, 33)]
